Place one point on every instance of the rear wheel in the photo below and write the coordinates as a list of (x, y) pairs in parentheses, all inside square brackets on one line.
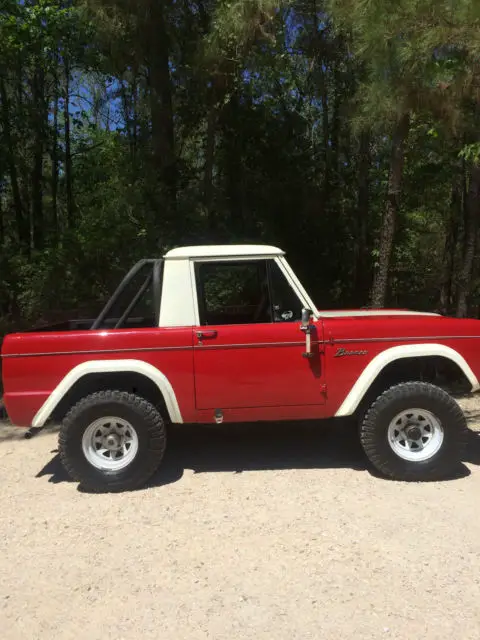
[(414, 431), (112, 441)]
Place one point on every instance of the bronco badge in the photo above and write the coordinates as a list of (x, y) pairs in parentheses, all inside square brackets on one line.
[(345, 352)]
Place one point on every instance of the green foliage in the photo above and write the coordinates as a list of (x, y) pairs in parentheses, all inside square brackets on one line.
[(471, 152), (130, 127)]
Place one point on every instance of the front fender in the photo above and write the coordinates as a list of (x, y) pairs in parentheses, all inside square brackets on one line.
[(381, 360)]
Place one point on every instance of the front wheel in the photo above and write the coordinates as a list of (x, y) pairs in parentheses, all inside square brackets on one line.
[(414, 431), (112, 441)]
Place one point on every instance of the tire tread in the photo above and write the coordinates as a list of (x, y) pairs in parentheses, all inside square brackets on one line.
[(440, 465), (156, 430)]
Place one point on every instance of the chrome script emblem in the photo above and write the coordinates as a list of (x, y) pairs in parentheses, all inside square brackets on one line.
[(345, 352)]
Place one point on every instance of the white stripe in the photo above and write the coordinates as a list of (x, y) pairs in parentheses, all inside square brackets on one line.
[(358, 313), (110, 366)]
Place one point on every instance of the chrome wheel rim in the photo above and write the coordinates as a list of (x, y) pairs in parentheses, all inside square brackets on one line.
[(415, 435), (110, 443)]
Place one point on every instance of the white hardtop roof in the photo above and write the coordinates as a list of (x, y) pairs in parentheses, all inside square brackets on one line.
[(223, 251)]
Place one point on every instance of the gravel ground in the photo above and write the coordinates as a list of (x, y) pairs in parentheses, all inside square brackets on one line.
[(268, 532)]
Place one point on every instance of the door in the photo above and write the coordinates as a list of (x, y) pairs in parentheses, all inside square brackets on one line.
[(248, 348)]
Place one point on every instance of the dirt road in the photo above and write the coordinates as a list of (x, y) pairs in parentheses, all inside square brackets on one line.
[(269, 532)]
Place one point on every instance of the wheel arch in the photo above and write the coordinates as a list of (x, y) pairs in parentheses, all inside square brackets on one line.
[(435, 363), (134, 376)]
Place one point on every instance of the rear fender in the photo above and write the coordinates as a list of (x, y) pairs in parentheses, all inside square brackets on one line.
[(110, 366)]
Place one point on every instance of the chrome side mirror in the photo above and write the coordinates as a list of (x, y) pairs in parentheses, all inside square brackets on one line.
[(306, 317), (307, 327)]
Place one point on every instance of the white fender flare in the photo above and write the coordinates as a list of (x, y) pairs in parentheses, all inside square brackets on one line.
[(110, 366), (380, 361)]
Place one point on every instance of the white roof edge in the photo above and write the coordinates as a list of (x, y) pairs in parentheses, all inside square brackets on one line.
[(223, 251)]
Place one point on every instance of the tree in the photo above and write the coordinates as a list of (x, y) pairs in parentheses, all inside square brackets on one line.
[(345, 132)]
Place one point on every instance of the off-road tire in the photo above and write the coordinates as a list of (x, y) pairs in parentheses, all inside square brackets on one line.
[(150, 430), (374, 432)]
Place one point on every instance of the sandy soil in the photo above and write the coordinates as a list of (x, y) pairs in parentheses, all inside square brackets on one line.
[(276, 532)]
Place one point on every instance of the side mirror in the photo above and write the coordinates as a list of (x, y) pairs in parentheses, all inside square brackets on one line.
[(306, 327), (306, 317)]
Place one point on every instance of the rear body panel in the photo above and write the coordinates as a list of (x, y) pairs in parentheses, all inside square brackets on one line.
[(34, 364)]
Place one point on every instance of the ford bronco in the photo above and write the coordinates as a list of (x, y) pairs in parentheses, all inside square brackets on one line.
[(228, 334)]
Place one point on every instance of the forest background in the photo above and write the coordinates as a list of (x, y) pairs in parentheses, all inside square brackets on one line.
[(346, 132)]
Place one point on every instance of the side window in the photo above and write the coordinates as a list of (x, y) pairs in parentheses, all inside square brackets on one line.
[(286, 305), (233, 292)]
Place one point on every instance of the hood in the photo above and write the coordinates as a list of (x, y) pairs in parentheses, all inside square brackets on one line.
[(394, 325)]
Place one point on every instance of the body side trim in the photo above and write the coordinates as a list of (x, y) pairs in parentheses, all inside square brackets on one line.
[(90, 352), (109, 366), (371, 371), (401, 339), (233, 345), (331, 341)]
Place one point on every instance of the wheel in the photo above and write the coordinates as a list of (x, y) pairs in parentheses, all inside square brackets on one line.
[(414, 431), (112, 441)]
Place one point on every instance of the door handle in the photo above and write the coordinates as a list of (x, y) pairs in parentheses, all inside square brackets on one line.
[(202, 335)]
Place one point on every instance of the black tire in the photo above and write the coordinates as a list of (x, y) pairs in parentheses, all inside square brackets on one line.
[(419, 395), (147, 424)]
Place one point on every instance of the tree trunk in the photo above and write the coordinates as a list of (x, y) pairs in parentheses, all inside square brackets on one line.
[(161, 100), (322, 69), (325, 134), (128, 95), (134, 116), (361, 263), (338, 96), (68, 149), (212, 121), (380, 281), (234, 166), (451, 239), (55, 156), (472, 212), (21, 221), (2, 224), (37, 168), (126, 114)]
